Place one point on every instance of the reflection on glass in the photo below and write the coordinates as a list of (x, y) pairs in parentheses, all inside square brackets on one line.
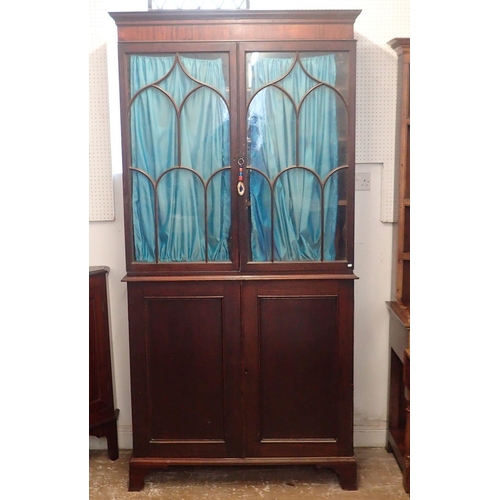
[(296, 133), (179, 125)]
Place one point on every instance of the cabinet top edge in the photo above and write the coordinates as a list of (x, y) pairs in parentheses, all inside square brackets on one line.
[(399, 43), (155, 16), (239, 277), (98, 270)]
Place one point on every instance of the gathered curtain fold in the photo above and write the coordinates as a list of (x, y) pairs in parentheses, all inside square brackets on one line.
[(180, 176), (293, 147)]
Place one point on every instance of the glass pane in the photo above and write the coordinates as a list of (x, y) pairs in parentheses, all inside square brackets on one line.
[(296, 136), (181, 217), (179, 124), (297, 234)]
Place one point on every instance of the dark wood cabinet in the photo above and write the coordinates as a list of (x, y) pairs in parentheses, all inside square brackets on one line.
[(185, 355), (102, 412), (398, 435), (298, 400), (238, 158)]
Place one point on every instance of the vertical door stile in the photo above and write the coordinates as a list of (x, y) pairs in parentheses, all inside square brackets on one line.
[(234, 141), (241, 151)]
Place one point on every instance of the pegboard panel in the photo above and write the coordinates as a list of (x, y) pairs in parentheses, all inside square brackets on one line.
[(101, 201), (376, 89)]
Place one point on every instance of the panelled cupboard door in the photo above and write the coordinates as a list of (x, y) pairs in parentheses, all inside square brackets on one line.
[(297, 382), (185, 355)]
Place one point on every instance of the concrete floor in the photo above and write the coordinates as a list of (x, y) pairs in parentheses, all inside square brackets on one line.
[(379, 478)]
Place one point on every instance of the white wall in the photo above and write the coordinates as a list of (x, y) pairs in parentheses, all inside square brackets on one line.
[(379, 22)]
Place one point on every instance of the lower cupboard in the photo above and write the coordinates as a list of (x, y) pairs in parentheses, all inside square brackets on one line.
[(241, 371)]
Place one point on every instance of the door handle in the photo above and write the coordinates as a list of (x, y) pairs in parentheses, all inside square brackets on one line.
[(240, 187)]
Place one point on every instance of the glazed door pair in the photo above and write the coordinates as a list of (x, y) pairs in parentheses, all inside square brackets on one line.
[(238, 156), (241, 369)]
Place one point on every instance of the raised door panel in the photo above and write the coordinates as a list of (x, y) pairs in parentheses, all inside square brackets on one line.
[(297, 365), (186, 375)]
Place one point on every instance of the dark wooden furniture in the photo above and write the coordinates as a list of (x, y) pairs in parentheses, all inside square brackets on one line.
[(406, 382), (102, 413), (244, 360), (398, 438)]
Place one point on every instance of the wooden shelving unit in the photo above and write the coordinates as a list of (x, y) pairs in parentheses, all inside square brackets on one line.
[(398, 425)]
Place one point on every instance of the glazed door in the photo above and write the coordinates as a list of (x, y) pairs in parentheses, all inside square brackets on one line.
[(179, 131), (297, 138), (297, 381), (185, 355)]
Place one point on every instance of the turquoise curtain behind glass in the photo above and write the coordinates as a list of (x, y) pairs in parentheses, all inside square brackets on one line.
[(272, 130), (172, 128)]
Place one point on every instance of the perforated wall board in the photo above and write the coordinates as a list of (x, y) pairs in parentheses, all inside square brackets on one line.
[(101, 202)]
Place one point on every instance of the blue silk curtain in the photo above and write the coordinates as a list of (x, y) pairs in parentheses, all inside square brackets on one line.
[(179, 144), (295, 196)]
